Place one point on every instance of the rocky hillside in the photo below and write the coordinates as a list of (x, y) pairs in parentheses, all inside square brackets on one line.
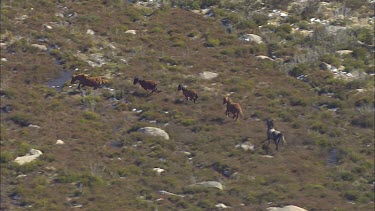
[(306, 64)]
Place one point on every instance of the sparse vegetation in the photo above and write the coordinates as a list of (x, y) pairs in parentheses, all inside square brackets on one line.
[(326, 114)]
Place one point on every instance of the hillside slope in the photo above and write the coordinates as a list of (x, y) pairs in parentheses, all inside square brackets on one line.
[(106, 164)]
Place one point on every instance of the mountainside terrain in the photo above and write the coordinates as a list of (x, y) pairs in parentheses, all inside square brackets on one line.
[(308, 65)]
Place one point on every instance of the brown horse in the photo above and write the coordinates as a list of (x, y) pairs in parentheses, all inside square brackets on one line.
[(147, 84), (86, 80), (190, 94), (234, 108)]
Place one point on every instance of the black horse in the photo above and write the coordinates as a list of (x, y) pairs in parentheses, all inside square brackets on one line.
[(273, 134)]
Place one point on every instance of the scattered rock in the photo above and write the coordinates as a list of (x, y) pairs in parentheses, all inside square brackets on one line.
[(40, 47), (264, 58), (158, 171), (34, 126), (208, 184), (170, 194), (48, 27), (90, 32), (344, 52), (221, 206), (325, 66), (32, 155), (246, 146), (153, 131), (131, 32), (59, 14), (252, 38), (286, 208), (59, 142), (208, 75), (4, 60), (21, 176)]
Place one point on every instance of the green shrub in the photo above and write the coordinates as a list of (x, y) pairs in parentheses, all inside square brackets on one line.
[(89, 115), (21, 119), (211, 42), (319, 127), (5, 156), (363, 120), (299, 70), (260, 19)]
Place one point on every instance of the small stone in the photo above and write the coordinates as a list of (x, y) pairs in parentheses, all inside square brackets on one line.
[(90, 32), (130, 32), (60, 142)]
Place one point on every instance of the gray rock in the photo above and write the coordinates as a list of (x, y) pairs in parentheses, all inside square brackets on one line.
[(209, 184), (325, 66), (286, 208), (90, 32), (131, 32), (252, 38), (32, 155), (59, 142), (208, 75), (40, 47), (153, 131), (247, 146), (344, 52), (221, 206), (261, 57), (170, 194)]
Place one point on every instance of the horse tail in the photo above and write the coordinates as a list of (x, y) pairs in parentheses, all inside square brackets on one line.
[(283, 139), (241, 113)]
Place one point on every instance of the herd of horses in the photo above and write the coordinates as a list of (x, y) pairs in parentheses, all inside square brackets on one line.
[(190, 94)]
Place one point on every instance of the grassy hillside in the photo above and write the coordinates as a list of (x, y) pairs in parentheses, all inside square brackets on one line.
[(105, 164)]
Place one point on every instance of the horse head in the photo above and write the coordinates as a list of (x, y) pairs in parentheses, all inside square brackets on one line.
[(135, 80), (179, 87), (74, 78), (226, 100), (269, 123)]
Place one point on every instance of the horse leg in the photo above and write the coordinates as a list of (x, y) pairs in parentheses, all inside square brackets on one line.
[(277, 144)]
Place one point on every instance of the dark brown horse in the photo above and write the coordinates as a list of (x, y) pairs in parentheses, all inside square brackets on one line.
[(86, 80), (147, 85)]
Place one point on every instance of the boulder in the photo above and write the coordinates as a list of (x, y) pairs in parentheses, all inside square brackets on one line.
[(158, 171), (261, 57), (252, 38), (130, 32), (247, 146), (170, 194), (40, 47), (209, 184), (90, 32), (325, 66), (153, 131), (344, 52), (208, 75), (221, 206), (286, 208), (32, 155), (59, 142)]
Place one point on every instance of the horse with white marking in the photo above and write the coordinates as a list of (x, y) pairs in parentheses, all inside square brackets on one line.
[(273, 134)]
